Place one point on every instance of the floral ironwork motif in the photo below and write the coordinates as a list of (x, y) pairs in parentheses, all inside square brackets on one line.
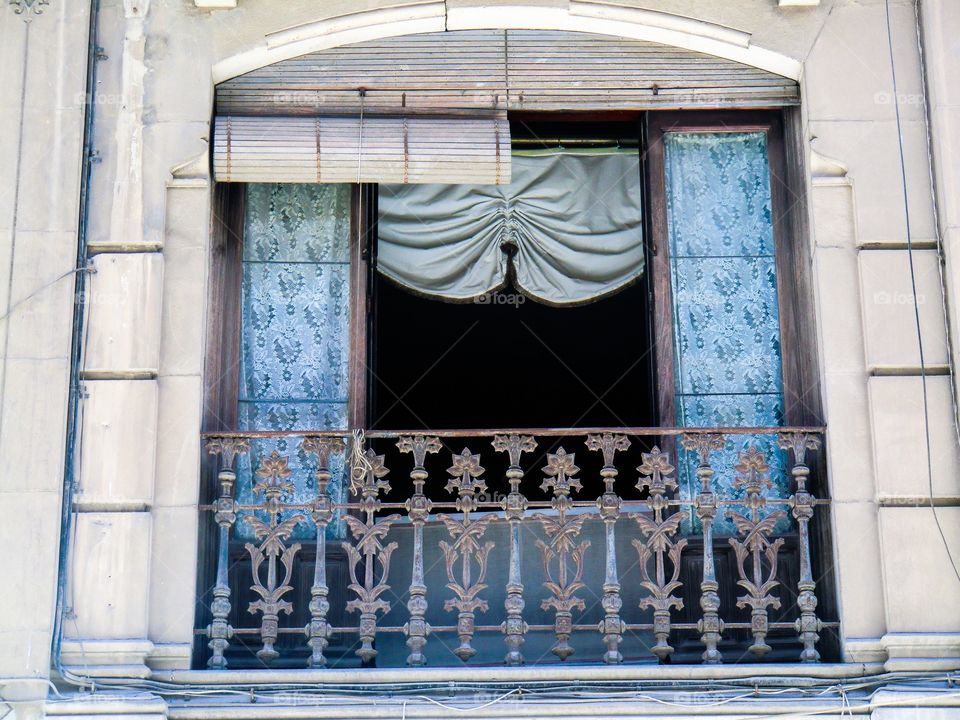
[(275, 509), (753, 475), (271, 549), (562, 532), (514, 506), (418, 510), (659, 544), (467, 535), (369, 548), (612, 626)]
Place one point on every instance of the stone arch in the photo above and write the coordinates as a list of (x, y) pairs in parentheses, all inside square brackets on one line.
[(576, 15)]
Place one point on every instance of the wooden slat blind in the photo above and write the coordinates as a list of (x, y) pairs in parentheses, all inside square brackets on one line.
[(435, 103), (564, 71), (329, 149), (468, 70)]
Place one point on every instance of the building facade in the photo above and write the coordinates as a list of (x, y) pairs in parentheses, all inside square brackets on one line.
[(430, 357)]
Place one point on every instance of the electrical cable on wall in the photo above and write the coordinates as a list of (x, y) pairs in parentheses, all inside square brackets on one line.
[(913, 289)]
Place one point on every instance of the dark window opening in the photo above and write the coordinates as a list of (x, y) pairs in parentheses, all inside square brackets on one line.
[(511, 362), (507, 360)]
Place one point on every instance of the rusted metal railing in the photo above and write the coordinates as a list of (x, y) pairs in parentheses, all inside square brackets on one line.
[(732, 476)]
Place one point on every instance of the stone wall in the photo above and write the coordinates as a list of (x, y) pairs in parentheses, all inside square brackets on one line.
[(43, 59)]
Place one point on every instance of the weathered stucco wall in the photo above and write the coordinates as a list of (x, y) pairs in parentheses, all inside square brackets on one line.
[(131, 588), (42, 73)]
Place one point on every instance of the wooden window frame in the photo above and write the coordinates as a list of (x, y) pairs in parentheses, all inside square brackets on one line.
[(222, 371), (797, 337), (798, 345)]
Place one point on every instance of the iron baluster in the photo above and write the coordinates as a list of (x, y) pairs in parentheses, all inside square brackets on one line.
[(753, 474), (270, 548), (514, 507), (418, 510), (808, 626), (612, 626), (225, 515)]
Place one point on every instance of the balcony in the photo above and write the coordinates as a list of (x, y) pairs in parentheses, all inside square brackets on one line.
[(509, 547)]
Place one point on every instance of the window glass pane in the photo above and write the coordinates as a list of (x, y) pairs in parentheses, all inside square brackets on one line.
[(727, 353), (295, 326)]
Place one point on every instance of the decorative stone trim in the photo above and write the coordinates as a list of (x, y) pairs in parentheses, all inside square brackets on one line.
[(21, 7), (827, 171), (592, 16), (122, 658), (922, 651), (864, 650), (192, 173), (170, 656), (520, 674)]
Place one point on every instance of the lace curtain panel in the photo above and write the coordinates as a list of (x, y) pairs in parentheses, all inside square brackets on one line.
[(295, 319), (725, 314), (570, 220)]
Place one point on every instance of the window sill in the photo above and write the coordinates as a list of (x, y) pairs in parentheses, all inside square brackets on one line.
[(372, 677)]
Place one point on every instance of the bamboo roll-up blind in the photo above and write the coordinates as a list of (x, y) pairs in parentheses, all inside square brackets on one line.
[(329, 149)]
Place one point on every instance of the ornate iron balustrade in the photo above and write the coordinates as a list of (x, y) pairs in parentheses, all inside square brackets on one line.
[(466, 543)]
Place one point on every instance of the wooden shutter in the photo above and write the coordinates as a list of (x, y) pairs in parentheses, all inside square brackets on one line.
[(330, 149), (567, 71), (469, 70), (431, 102), (459, 71)]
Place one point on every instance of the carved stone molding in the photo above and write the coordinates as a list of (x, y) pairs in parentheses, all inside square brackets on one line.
[(28, 7), (826, 170), (194, 172)]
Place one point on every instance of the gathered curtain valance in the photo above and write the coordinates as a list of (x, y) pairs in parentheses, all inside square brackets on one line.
[(569, 224)]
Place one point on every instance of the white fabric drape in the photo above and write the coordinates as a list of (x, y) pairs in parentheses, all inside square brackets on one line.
[(571, 219)]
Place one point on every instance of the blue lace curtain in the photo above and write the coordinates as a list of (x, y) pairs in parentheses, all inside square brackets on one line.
[(295, 320), (723, 276)]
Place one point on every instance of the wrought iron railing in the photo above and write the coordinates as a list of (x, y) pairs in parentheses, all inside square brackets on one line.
[(533, 559)]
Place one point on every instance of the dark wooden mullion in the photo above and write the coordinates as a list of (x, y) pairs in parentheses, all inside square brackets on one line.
[(786, 272), (806, 405), (658, 248), (222, 369), (359, 305), (221, 375), (371, 387)]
